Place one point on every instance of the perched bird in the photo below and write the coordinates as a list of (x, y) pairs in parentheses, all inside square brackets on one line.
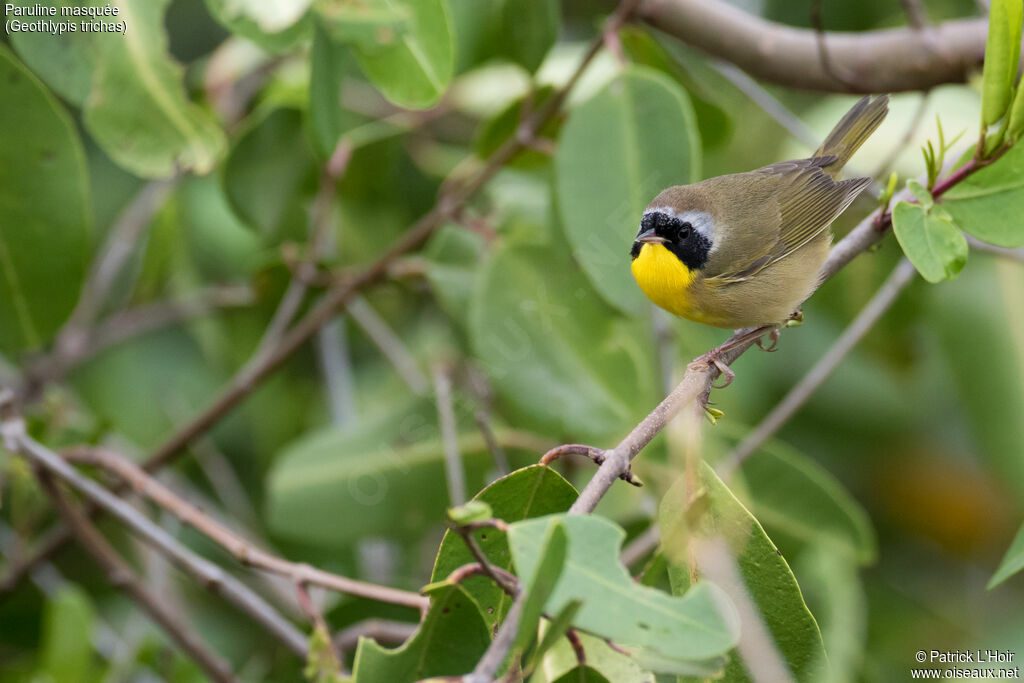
[(746, 249)]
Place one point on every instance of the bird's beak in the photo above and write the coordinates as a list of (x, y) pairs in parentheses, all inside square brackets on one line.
[(648, 237)]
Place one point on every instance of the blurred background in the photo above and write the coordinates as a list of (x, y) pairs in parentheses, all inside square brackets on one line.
[(911, 454)]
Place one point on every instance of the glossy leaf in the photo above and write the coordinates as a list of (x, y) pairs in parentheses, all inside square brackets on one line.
[(694, 628), (554, 350), (989, 202), (530, 492), (794, 495), (451, 639), (1002, 54), (410, 62), (1012, 562), (768, 578), (45, 231), (529, 29), (648, 141), (931, 241), (137, 109)]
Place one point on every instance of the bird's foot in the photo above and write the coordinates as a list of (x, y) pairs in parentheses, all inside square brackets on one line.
[(774, 336)]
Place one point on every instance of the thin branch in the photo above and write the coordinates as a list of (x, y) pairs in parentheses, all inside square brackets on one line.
[(454, 473), (390, 344), (483, 422), (490, 570), (121, 576), (244, 551), (1005, 252), (119, 247), (215, 579), (384, 631), (641, 546), (885, 60), (883, 299)]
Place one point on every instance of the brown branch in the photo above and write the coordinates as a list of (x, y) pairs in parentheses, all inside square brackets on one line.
[(121, 576), (384, 631), (884, 60), (16, 440), (242, 550), (809, 383)]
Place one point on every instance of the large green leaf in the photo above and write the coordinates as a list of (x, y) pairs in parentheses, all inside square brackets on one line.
[(45, 232), (137, 109), (672, 632), (554, 350), (1012, 562), (631, 140), (449, 642), (530, 492), (131, 90), (539, 586), (794, 496), (930, 239), (989, 202), (766, 574), (609, 662), (405, 47), (388, 472)]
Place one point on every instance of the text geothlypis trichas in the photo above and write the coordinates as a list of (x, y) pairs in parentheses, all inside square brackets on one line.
[(746, 249)]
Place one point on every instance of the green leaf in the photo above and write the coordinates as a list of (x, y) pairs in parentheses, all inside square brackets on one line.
[(793, 495), (451, 639), (582, 674), (45, 219), (1012, 562), (765, 573), (923, 196), (557, 354), (67, 632), (387, 471), (453, 256), (648, 141), (275, 26), (695, 628), (613, 665), (529, 29), (137, 109), (1015, 127), (540, 586), (411, 62), (530, 492), (327, 117), (267, 172), (988, 203), (930, 240), (362, 22), (62, 62), (494, 132), (553, 631), (1002, 54)]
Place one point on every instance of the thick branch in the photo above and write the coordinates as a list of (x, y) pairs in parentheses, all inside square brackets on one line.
[(880, 61), (121, 576)]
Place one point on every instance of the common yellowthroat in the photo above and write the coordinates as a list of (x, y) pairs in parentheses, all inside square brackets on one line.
[(746, 249)]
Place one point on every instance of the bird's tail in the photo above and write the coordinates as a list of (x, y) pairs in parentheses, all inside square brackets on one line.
[(851, 132)]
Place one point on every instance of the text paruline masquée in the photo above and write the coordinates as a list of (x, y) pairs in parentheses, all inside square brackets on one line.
[(87, 19)]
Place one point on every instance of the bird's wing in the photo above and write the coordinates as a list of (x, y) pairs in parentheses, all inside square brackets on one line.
[(806, 199)]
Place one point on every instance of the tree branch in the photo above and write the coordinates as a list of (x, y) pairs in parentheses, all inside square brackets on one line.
[(121, 576), (884, 60), (15, 439), (242, 550)]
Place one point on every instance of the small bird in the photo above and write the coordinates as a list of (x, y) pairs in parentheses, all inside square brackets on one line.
[(746, 249)]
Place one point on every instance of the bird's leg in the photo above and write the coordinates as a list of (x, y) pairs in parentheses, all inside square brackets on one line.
[(714, 356), (774, 336)]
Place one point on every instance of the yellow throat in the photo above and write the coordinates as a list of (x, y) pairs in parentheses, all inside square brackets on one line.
[(665, 280)]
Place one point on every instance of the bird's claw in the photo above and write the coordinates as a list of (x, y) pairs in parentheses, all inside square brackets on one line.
[(774, 336)]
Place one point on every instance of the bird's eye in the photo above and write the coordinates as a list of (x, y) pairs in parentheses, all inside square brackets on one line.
[(684, 230)]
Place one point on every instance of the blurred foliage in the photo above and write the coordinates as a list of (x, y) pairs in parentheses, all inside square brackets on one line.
[(867, 530)]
